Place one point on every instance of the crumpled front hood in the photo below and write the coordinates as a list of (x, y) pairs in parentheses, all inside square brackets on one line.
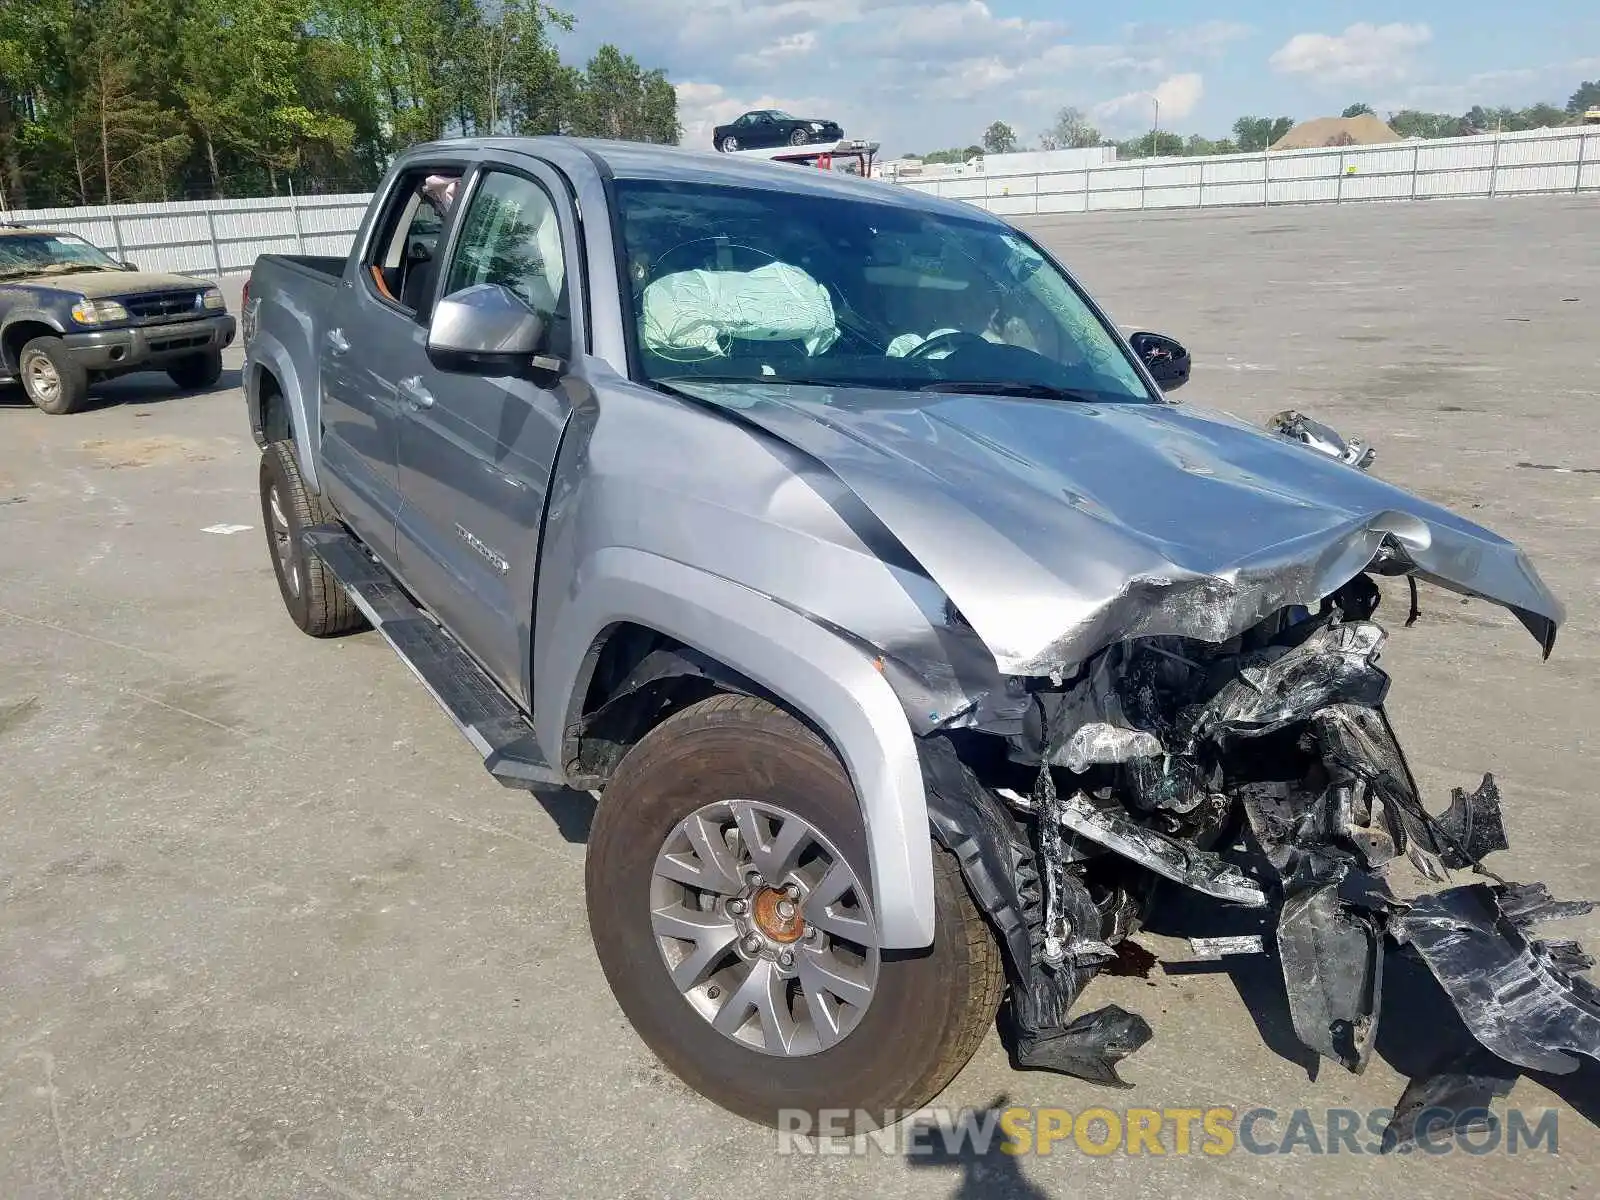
[(1058, 528)]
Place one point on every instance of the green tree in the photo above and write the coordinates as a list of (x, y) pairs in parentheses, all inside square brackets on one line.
[(1586, 97), (1155, 144), (1410, 122), (1071, 131), (955, 154), (617, 98), (1358, 110), (1000, 138), (1258, 133)]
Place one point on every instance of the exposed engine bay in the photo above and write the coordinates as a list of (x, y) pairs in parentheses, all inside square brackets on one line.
[(1261, 772)]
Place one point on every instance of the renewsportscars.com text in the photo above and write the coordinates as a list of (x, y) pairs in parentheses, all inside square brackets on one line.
[(1214, 1131)]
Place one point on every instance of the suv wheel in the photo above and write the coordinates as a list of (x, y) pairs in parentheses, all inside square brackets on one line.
[(196, 371), (730, 906), (316, 601), (729, 144), (55, 381)]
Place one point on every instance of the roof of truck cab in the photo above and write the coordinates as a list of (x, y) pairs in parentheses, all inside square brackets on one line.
[(647, 161), (29, 231)]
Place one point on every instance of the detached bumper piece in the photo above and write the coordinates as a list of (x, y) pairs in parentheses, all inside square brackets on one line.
[(1521, 997)]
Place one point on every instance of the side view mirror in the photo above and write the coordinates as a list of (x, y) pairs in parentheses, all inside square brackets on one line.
[(485, 329), (1167, 360)]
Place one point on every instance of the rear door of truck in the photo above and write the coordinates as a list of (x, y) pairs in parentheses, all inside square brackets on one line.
[(374, 338)]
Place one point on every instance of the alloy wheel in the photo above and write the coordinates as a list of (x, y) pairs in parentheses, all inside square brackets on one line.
[(764, 927)]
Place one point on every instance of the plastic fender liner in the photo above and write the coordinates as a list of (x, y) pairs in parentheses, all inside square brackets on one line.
[(1519, 996)]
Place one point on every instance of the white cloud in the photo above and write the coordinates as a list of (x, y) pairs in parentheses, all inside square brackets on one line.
[(1362, 52), (790, 46), (915, 74), (1207, 38), (967, 26), (1178, 95), (1547, 83)]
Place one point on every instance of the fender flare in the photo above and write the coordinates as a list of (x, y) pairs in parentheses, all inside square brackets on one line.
[(824, 677), (268, 355), (33, 316)]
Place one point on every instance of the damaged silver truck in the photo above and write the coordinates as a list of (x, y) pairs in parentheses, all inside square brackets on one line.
[(912, 635)]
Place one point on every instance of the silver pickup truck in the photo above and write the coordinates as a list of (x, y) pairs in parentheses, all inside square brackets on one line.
[(913, 636)]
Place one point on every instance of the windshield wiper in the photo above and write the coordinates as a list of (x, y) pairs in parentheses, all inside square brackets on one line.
[(990, 387)]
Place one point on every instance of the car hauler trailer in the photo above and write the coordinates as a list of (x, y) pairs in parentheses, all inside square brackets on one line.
[(824, 156)]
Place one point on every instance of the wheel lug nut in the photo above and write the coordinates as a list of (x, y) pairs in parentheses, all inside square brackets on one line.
[(792, 890), (751, 944), (738, 907), (786, 959)]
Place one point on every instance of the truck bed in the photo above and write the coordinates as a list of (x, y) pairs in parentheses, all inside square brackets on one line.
[(324, 268)]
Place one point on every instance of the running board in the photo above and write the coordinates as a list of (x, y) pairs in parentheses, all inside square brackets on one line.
[(485, 715)]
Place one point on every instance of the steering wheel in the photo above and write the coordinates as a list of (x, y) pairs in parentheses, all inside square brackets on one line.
[(953, 340)]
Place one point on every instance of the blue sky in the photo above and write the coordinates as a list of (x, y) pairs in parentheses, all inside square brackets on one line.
[(923, 74)]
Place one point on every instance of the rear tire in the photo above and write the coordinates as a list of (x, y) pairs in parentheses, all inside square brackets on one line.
[(316, 601), (56, 382), (197, 371), (928, 1010)]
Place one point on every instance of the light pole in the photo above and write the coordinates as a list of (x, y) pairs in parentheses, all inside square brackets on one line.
[(1155, 127)]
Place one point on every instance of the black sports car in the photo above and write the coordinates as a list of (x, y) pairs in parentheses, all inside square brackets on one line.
[(771, 127)]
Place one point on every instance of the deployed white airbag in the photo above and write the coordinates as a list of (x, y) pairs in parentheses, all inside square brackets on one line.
[(699, 311)]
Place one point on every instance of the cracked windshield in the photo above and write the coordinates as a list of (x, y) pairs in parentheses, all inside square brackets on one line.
[(49, 254), (752, 285)]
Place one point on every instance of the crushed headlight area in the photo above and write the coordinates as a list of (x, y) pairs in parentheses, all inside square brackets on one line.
[(1264, 773)]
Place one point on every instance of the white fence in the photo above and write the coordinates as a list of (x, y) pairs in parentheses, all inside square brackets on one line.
[(1524, 163), (209, 237), (220, 237)]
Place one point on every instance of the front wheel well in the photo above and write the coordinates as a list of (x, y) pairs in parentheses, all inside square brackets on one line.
[(19, 335), (634, 679)]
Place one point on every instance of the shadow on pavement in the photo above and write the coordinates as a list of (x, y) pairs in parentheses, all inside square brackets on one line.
[(145, 387), (571, 810), (984, 1171)]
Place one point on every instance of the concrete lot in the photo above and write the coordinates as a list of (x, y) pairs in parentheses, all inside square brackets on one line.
[(267, 929)]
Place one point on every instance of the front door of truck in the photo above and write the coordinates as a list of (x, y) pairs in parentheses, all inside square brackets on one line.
[(477, 450), (374, 326)]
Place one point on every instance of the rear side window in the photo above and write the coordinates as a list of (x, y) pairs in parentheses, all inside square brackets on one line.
[(401, 263)]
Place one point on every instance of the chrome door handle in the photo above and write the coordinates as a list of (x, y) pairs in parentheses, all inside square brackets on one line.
[(338, 341), (414, 394)]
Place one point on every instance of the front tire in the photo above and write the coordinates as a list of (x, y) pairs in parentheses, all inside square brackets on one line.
[(799, 137), (733, 785), (196, 372), (56, 382), (728, 144), (316, 601)]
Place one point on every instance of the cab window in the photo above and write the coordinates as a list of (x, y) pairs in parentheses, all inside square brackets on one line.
[(401, 261), (511, 237)]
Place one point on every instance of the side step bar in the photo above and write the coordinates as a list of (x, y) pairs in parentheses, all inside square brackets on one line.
[(485, 715)]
